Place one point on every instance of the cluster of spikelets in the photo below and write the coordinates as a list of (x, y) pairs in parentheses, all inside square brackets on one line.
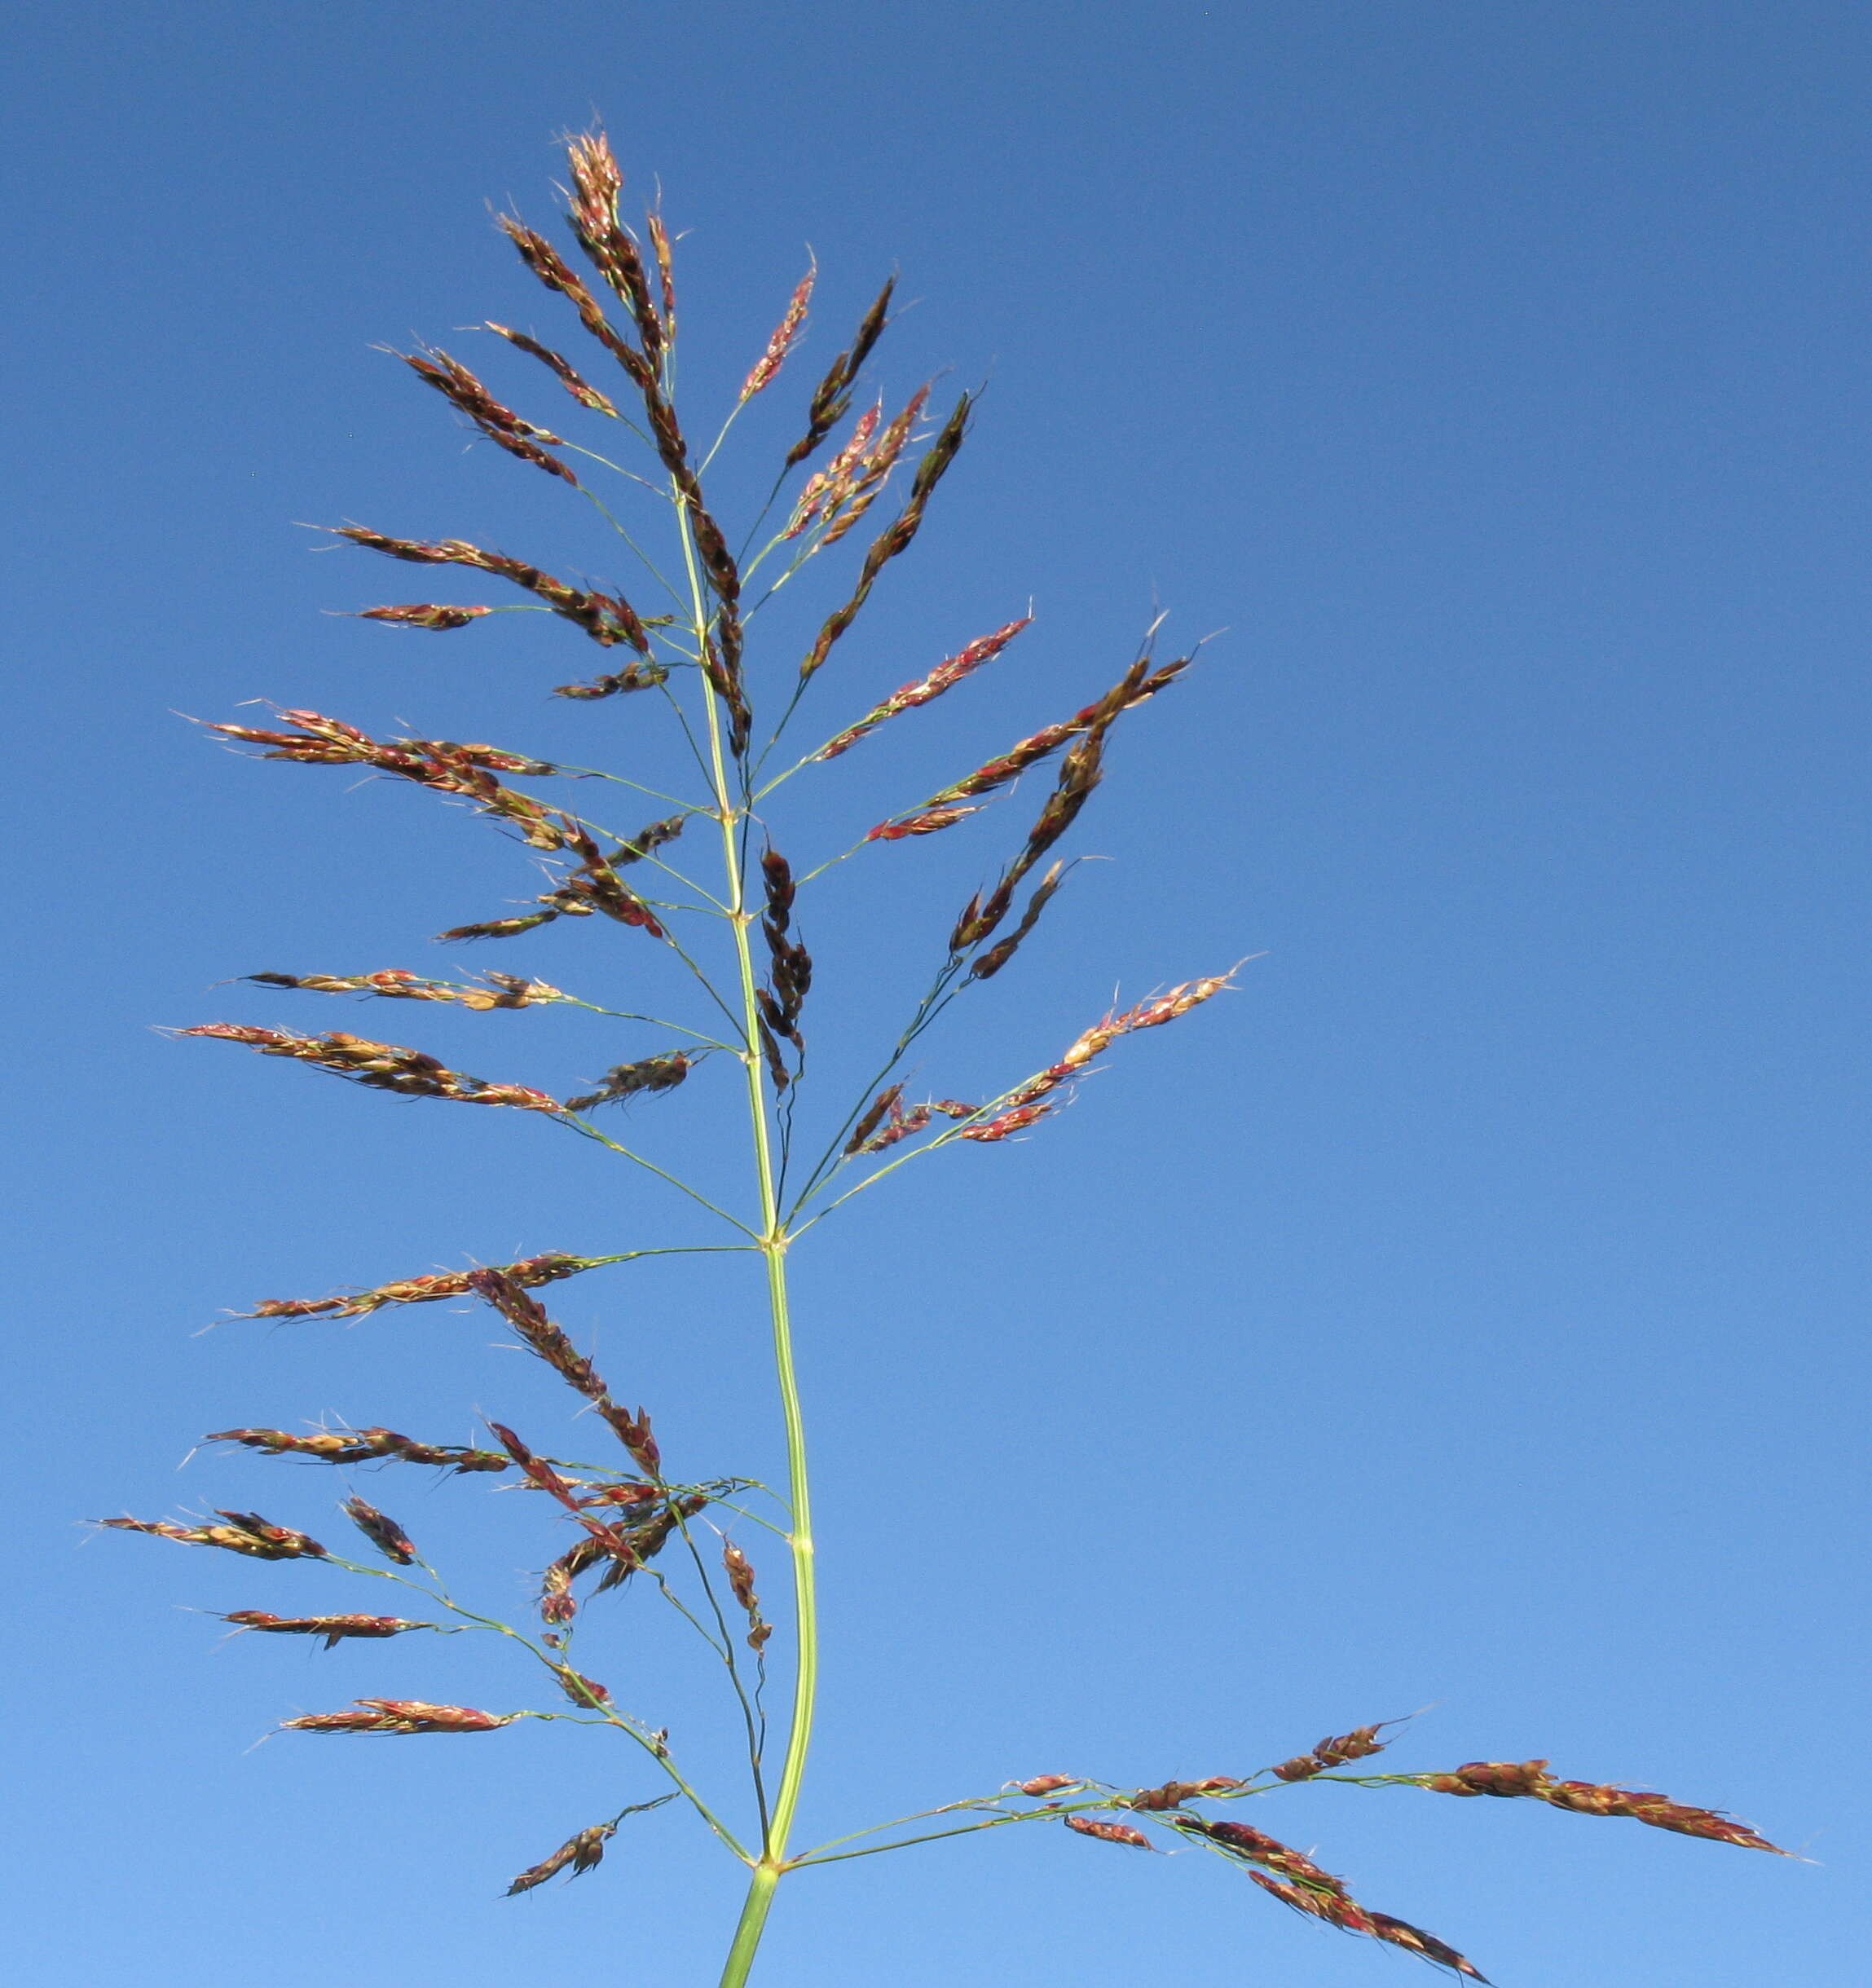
[(620, 1520), (1296, 1879), (624, 1521)]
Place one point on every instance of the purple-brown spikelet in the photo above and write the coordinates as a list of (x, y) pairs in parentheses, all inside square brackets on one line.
[(628, 1080), (740, 1573), (581, 1854), (425, 615), (1173, 1794), (530, 1272), (383, 1066), (1108, 1832), (832, 398), (372, 1445), (598, 182), (541, 1336), (895, 537), (381, 1531), (1046, 1784), (585, 1692), (946, 674), (608, 619), (1531, 1779), (537, 1332), (932, 821), (638, 676), (334, 1629), (1339, 1911), (499, 423), (1138, 683), (988, 964), (846, 500), (568, 376), (466, 771), (1334, 1751), (397, 984), (785, 332), (402, 1715), (826, 489), (244, 1532)]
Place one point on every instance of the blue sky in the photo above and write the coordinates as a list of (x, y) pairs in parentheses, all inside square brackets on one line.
[(1467, 1313)]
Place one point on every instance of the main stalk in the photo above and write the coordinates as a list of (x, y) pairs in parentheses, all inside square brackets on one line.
[(729, 811)]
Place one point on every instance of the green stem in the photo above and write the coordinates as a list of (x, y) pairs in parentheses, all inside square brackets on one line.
[(771, 1240)]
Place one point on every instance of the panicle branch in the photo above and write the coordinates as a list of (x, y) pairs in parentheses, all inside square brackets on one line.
[(1511, 1778), (895, 538), (529, 1272), (832, 398), (403, 1715), (945, 676), (372, 1445), (609, 618), (396, 984), (382, 1066), (499, 423), (245, 1533), (334, 1629)]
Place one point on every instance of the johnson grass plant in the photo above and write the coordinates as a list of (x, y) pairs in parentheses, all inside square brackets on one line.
[(713, 880)]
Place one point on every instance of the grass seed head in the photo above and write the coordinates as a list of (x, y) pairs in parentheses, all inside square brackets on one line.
[(769, 363), (381, 1531), (582, 1853), (1108, 1832), (401, 1715)]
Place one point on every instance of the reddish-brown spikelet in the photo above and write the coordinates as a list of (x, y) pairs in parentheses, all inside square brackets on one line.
[(1251, 1845), (785, 332), (371, 1445), (538, 1333), (666, 267), (1341, 1911), (1138, 684), (402, 1715), (597, 181), (848, 499), (1108, 1833), (335, 1629), (1173, 1794), (529, 1272), (1046, 1783), (582, 1853), (944, 676), (1004, 1125), (895, 537), (551, 268), (439, 764), (740, 1574), (395, 983), (627, 1080), (1357, 1745), (989, 963), (1531, 1779), (528, 1320), (585, 1692), (383, 1066), (826, 490), (581, 389), (832, 398), (500, 423), (245, 1533), (638, 676), (928, 823), (425, 615), (608, 619), (381, 1531)]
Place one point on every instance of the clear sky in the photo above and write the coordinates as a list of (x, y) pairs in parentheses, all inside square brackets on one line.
[(1467, 1313)]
